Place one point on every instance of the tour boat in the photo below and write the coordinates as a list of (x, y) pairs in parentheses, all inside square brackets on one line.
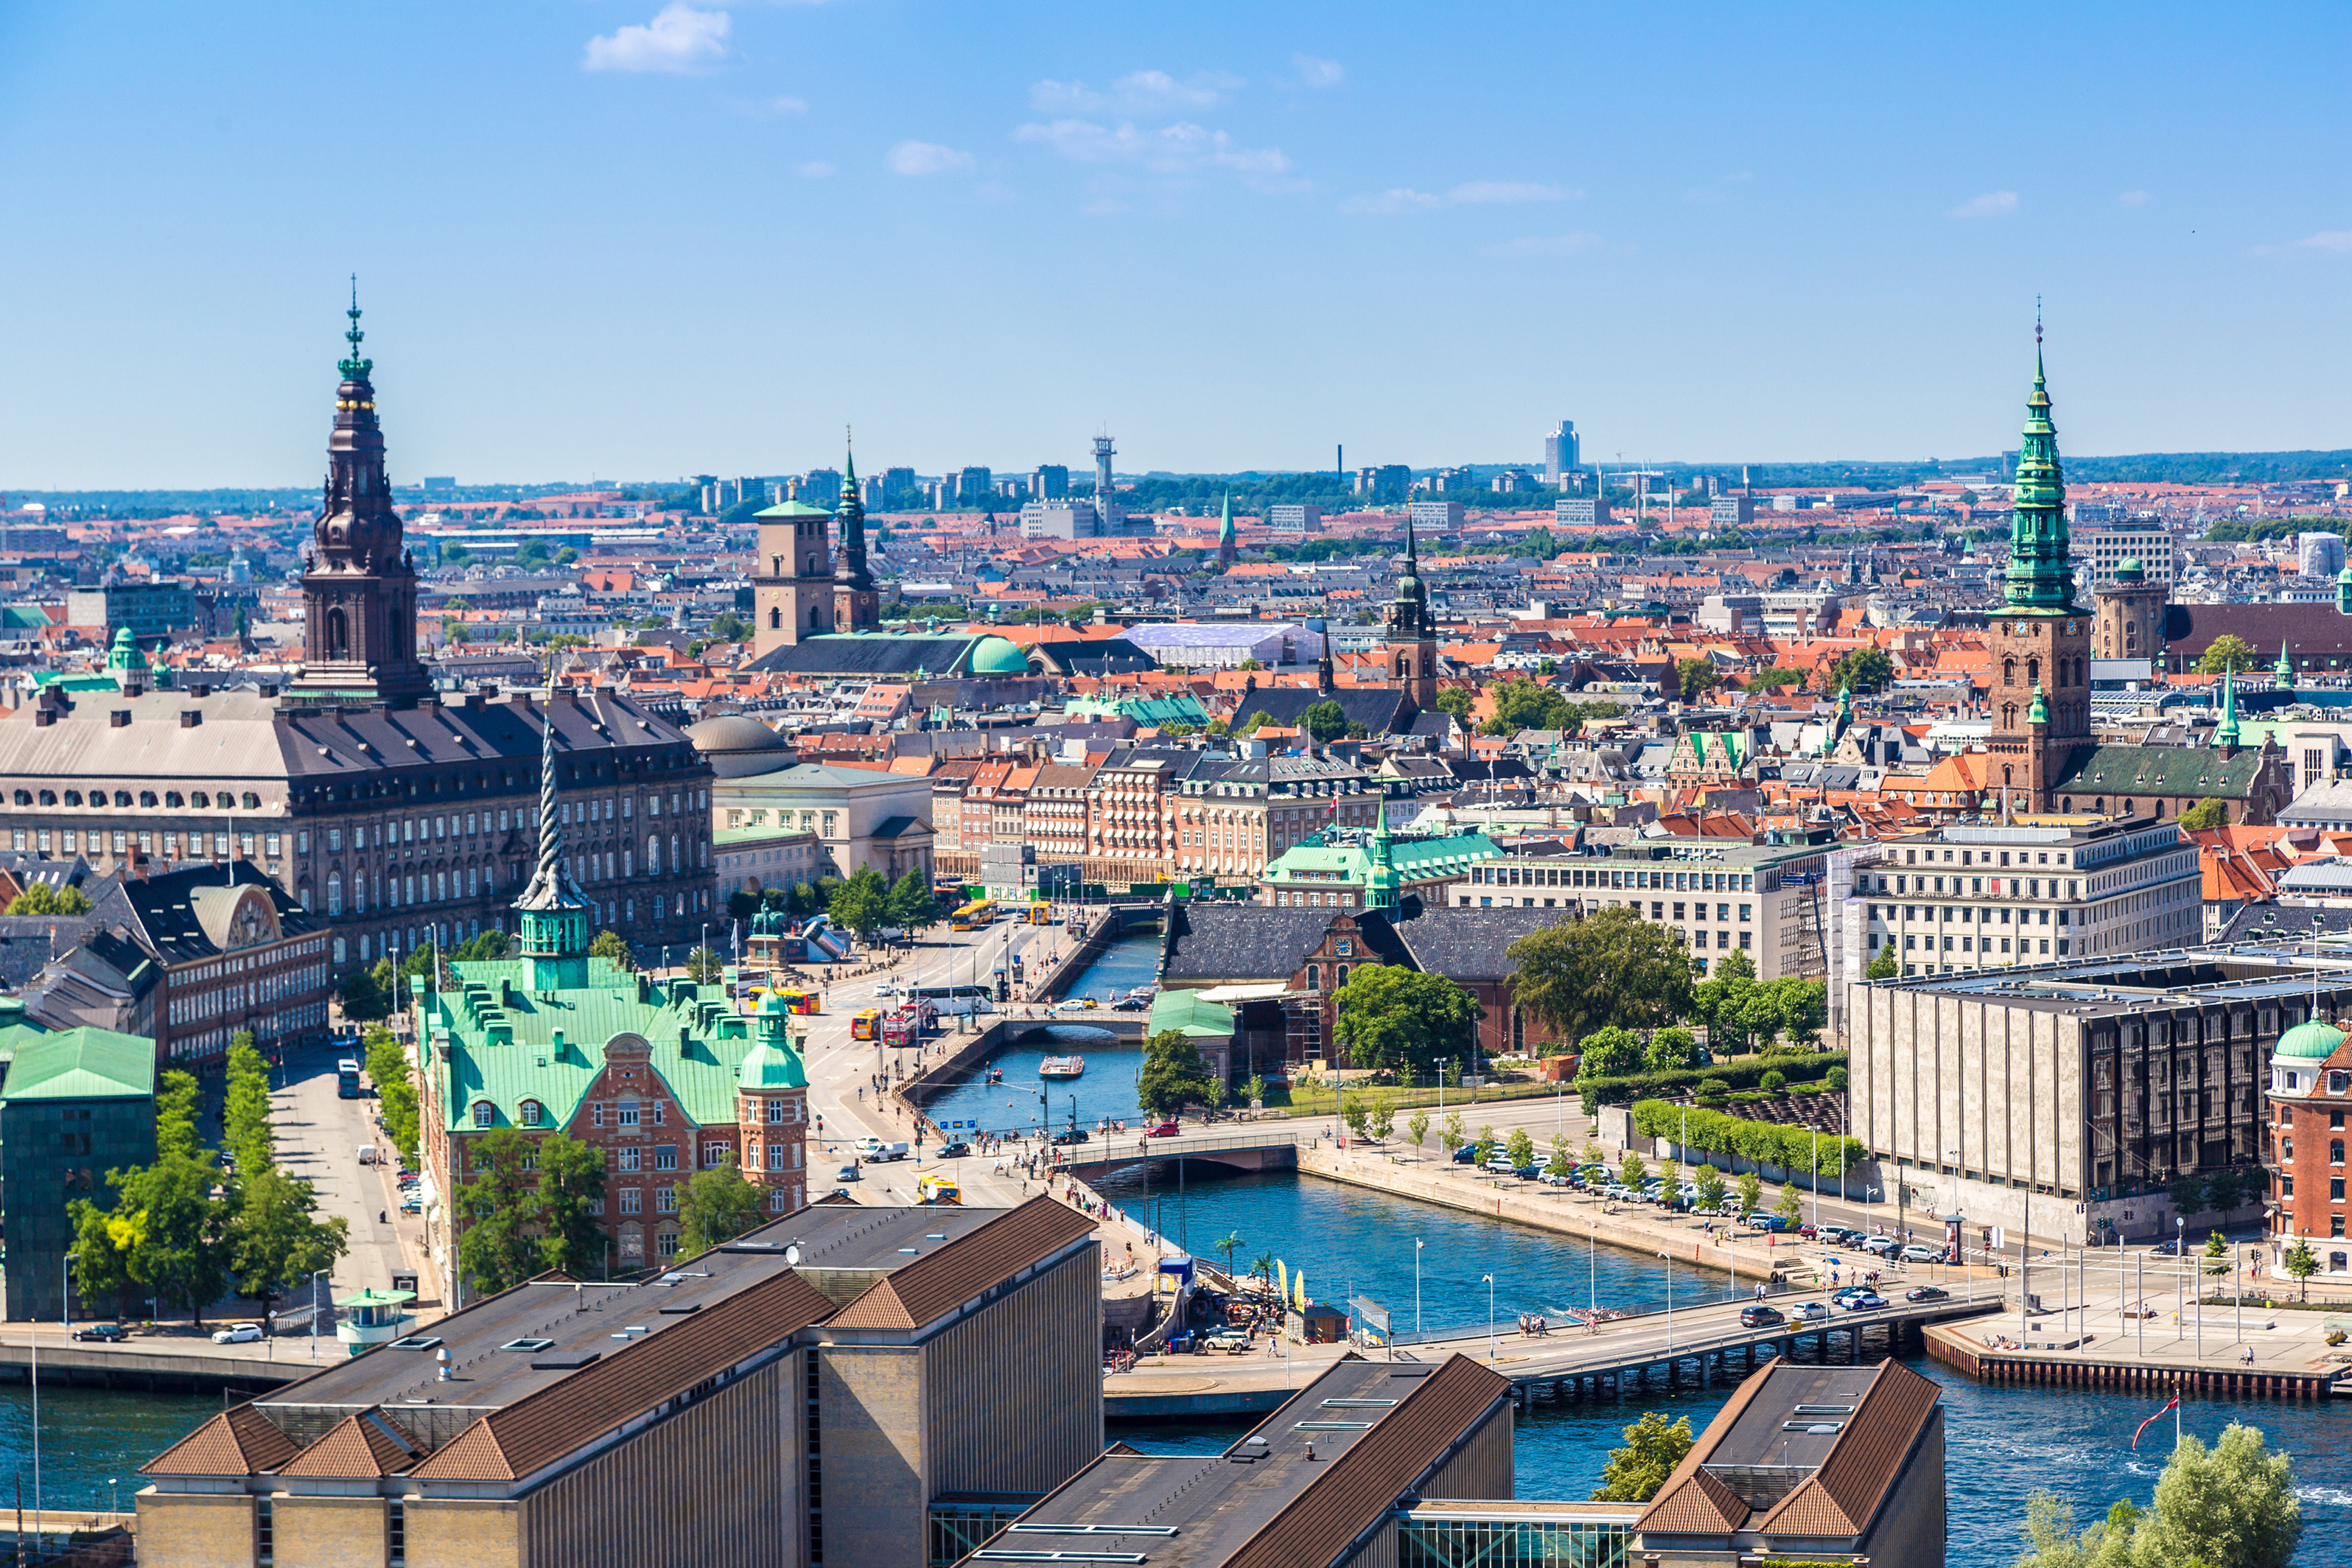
[(1061, 1067)]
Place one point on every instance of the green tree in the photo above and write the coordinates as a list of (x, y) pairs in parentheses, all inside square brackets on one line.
[(1356, 1116), (1456, 701), (609, 945), (100, 1267), (743, 904), (571, 1185), (1631, 1172), (172, 1230), (41, 898), (1254, 1091), (1416, 1127), (1561, 1162), (245, 1110), (2227, 652), (1609, 1052), (862, 903), (1792, 1206), (1773, 676), (704, 967), (499, 1209), (395, 1090), (364, 996), (1484, 1145), (2300, 1263), (717, 1206), (1863, 670), (272, 1242), (912, 904), (2187, 1193), (1524, 704), (1711, 1191), (1325, 721), (2217, 1256), (2230, 1506), (1671, 1049), (1884, 966), (176, 1103), (1173, 1076), (727, 626), (1694, 677), (1654, 1447), (1751, 1190), (2205, 814), (1382, 1120), (1611, 967), (1522, 1147), (1388, 1015), (1454, 1131), (1721, 1000)]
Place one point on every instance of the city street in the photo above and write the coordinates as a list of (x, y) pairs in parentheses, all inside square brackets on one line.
[(318, 1139)]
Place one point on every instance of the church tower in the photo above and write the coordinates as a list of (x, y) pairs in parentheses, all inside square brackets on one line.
[(792, 580), (2041, 637), (856, 607), (1412, 636), (1228, 543), (359, 592)]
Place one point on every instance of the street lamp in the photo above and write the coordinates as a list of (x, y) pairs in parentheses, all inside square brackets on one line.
[(2180, 1273), (1492, 1350)]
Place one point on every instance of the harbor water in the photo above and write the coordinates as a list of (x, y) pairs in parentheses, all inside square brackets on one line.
[(1103, 1092)]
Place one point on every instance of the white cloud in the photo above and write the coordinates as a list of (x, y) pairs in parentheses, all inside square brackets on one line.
[(927, 158), (1183, 148), (1992, 204), (814, 171), (1317, 73), (2338, 240), (1141, 93), (1474, 192), (1549, 245), (1509, 191), (678, 38), (2134, 199)]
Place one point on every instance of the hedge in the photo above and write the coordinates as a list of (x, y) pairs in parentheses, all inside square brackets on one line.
[(1745, 1073), (1765, 1142)]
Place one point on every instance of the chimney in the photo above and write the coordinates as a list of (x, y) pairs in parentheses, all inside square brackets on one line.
[(118, 718), (190, 718)]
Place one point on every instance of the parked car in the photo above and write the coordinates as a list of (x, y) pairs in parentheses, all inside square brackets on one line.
[(2166, 1248), (1556, 1179), (955, 1151), (1928, 1293), (104, 1333), (1864, 1302), (1760, 1317), (412, 1206), (238, 1334), (1880, 1245), (1916, 1252), (1164, 1129), (1528, 1173), (1466, 1155), (1807, 1312), (1500, 1160)]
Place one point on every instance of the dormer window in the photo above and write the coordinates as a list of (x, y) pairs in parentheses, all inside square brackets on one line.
[(484, 1114), (530, 1113)]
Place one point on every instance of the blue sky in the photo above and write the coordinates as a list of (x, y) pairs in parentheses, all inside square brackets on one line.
[(613, 239)]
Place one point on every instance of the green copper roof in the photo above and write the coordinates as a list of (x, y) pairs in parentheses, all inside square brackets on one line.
[(1316, 864), (76, 1064), (793, 509), (999, 656), (1185, 1013), (2313, 1041), (502, 1049), (2039, 713), (2039, 580), (2226, 734), (1181, 709)]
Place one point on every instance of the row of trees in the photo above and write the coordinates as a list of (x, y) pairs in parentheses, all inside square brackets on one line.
[(186, 1228), (1764, 1142)]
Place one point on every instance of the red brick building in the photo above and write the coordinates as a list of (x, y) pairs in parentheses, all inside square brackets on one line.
[(2310, 1091)]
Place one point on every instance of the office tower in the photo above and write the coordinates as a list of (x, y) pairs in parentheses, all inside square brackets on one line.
[(1559, 452)]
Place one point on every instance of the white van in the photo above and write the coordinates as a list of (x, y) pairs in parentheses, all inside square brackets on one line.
[(875, 1152)]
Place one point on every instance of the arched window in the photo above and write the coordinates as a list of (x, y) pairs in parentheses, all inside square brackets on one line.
[(529, 1113), (653, 855), (339, 950), (334, 895), (2008, 672), (337, 634), (483, 1113), (776, 617), (2033, 672)]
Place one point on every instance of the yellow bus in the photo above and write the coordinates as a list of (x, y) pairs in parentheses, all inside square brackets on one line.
[(938, 1187), (800, 1001), (866, 1024), (1041, 914), (979, 913)]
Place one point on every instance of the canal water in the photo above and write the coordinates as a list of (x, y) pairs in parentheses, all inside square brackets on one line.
[(92, 1440), (1106, 1092)]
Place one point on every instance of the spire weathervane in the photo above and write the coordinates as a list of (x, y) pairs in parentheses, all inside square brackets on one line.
[(355, 368)]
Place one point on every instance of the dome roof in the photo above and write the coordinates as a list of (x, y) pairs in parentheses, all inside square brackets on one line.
[(2313, 1041), (998, 656), (771, 1066), (737, 746), (2129, 569)]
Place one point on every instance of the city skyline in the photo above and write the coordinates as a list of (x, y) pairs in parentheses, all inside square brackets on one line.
[(631, 239)]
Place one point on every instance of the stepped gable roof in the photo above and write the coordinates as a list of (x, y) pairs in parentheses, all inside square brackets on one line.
[(1381, 710), (2195, 771), (1211, 941), (939, 1282), (544, 1425), (359, 1447), (239, 1442), (1472, 945)]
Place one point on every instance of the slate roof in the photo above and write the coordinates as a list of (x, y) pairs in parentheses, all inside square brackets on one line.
[(2193, 772), (2312, 632), (180, 916), (1381, 710), (1209, 942), (870, 656), (1470, 944)]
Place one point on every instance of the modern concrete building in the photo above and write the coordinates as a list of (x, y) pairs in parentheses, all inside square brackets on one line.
[(1562, 456), (828, 1389), (1974, 897), (1204, 644), (1294, 517), (2071, 1095), (148, 608)]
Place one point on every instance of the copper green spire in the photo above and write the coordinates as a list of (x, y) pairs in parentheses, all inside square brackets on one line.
[(2039, 713), (355, 368), (2039, 580), (2226, 734), (552, 913), (2283, 670), (1381, 882)]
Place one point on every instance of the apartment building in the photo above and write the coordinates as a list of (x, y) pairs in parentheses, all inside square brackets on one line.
[(1716, 895), (1974, 897), (1232, 816)]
